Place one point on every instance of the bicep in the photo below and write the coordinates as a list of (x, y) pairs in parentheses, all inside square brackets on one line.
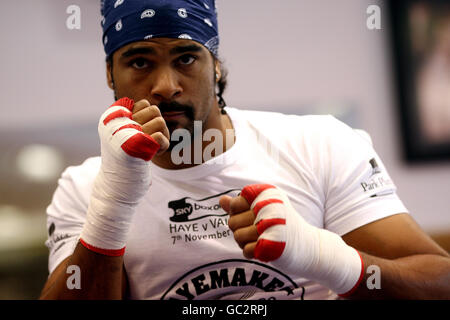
[(393, 237)]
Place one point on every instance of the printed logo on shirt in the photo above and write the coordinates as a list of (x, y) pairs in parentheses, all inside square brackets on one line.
[(237, 279), (378, 183), (56, 238), (375, 168), (199, 220), (189, 209)]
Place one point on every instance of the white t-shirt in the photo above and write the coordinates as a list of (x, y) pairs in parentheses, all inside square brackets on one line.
[(179, 245)]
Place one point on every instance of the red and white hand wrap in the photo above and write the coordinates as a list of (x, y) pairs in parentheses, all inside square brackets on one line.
[(296, 247), (123, 179)]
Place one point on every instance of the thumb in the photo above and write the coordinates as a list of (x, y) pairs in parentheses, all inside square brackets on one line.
[(225, 203)]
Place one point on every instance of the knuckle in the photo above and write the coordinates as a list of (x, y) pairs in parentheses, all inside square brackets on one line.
[(161, 139), (160, 122), (250, 217), (135, 117), (158, 136), (154, 110), (232, 223), (241, 236), (234, 208), (143, 102), (248, 251), (238, 235), (157, 125)]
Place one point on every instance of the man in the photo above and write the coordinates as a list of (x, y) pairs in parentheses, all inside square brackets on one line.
[(281, 207)]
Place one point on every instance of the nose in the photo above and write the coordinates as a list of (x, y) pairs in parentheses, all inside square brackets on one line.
[(166, 86)]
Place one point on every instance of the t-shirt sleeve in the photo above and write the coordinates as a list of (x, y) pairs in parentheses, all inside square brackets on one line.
[(67, 212), (359, 189)]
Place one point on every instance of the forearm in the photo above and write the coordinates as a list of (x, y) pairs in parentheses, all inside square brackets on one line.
[(122, 181), (424, 276), (100, 277)]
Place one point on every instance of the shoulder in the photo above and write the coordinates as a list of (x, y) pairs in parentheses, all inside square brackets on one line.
[(319, 130), (278, 118), (271, 119)]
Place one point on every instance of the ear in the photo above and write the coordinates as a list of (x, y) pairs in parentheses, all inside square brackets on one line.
[(218, 71), (109, 77)]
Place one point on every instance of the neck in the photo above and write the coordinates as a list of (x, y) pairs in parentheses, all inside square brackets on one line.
[(216, 120)]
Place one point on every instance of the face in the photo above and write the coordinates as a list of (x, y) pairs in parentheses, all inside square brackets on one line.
[(177, 75)]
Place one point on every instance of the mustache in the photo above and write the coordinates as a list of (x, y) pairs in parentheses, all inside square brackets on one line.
[(174, 106)]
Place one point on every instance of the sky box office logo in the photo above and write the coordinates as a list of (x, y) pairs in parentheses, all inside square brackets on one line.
[(189, 209)]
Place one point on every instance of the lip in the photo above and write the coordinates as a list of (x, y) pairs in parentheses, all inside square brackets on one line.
[(172, 115)]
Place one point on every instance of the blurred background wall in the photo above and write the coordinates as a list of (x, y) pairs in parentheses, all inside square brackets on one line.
[(293, 56)]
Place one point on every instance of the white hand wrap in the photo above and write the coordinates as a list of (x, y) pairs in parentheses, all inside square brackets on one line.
[(123, 179), (291, 244)]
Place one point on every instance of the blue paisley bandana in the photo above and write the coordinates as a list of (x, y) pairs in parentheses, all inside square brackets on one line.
[(126, 21)]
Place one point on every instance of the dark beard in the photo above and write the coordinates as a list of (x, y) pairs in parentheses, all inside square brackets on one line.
[(174, 125)]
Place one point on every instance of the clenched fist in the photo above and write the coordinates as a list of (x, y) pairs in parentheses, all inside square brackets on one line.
[(152, 123), (127, 146), (267, 227), (249, 220)]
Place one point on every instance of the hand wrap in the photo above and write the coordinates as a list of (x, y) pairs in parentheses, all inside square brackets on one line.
[(291, 244), (123, 179)]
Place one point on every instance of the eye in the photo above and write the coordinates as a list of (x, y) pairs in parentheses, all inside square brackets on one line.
[(187, 59), (139, 63)]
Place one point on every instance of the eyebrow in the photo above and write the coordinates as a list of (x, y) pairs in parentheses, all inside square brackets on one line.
[(138, 50), (148, 50), (184, 49)]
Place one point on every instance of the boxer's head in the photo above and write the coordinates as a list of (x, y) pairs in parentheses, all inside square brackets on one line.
[(165, 51)]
